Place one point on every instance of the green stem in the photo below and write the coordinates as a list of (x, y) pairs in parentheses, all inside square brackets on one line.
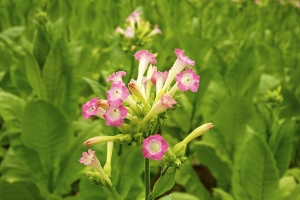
[(147, 179)]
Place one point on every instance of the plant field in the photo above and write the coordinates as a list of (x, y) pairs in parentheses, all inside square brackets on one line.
[(55, 55)]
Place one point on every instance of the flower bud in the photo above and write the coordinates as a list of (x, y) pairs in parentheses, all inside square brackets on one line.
[(197, 132), (179, 150), (95, 178)]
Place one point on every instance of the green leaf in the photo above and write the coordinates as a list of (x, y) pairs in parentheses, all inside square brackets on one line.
[(267, 82), (12, 32), (13, 168), (287, 186), (58, 78), (11, 106), (231, 121), (19, 80), (55, 71), (46, 130), (295, 193), (163, 184), (98, 89), (19, 190), (112, 193), (132, 168), (88, 191), (41, 44), (255, 175), (185, 196), (218, 163), (220, 194), (243, 78), (187, 178), (34, 75), (69, 165), (167, 197), (182, 121), (281, 143)]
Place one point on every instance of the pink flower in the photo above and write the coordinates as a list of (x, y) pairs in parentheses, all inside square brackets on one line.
[(159, 78), (188, 80), (117, 76), (178, 66), (155, 31), (129, 32), (134, 17), (119, 30), (117, 93), (114, 116), (91, 108), (89, 159), (166, 101), (138, 91), (145, 58), (154, 147), (183, 58)]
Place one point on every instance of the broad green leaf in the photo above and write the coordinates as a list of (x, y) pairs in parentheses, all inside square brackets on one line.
[(243, 78), (167, 197), (267, 82), (46, 130), (178, 120), (69, 165), (88, 191), (19, 190), (56, 71), (59, 79), (13, 168), (34, 75), (11, 106), (19, 80), (231, 121), (12, 32), (295, 172), (281, 143), (98, 89), (287, 185), (112, 193), (295, 193), (132, 167), (255, 175), (181, 196), (187, 178), (214, 96), (220, 194), (218, 163), (41, 44), (163, 184)]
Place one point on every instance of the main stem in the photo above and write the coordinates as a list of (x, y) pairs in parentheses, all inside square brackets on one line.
[(147, 179)]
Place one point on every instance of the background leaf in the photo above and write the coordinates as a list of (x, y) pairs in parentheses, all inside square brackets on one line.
[(45, 135), (255, 175)]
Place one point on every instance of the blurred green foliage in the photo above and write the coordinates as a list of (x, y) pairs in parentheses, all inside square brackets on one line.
[(56, 54)]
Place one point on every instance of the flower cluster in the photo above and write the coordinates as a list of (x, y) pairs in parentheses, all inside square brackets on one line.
[(136, 32), (139, 109), (138, 100)]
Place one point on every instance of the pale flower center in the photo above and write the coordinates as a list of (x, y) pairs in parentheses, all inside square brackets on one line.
[(154, 146), (187, 79), (115, 114), (89, 159), (117, 93), (91, 109)]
